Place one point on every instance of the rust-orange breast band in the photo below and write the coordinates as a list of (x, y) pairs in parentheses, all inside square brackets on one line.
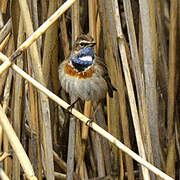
[(68, 69)]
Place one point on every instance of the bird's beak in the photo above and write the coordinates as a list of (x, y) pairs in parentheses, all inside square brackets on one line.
[(92, 43)]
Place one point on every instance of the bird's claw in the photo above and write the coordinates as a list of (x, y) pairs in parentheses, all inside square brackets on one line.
[(69, 108), (89, 122)]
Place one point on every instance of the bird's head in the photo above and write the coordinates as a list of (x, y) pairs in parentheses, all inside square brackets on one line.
[(82, 42), (82, 55)]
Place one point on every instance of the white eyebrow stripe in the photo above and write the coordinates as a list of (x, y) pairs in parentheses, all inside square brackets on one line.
[(86, 58), (84, 41)]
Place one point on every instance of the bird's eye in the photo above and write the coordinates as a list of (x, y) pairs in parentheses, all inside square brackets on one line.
[(82, 44)]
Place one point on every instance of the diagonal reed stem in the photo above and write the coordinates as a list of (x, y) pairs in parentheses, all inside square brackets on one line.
[(38, 32), (86, 120)]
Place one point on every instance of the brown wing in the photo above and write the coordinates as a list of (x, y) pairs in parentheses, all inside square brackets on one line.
[(111, 88)]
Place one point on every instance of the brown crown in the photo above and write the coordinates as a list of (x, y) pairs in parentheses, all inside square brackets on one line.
[(83, 40)]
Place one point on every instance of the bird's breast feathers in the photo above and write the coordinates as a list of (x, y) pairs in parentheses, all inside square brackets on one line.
[(69, 70)]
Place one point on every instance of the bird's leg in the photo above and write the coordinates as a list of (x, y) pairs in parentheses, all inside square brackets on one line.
[(94, 114), (72, 105)]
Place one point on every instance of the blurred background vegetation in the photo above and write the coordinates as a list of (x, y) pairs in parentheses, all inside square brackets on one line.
[(139, 41)]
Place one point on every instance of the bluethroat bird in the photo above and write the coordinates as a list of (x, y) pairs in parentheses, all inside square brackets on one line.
[(82, 74)]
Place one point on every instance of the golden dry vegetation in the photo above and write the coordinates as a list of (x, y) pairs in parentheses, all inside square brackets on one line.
[(139, 41)]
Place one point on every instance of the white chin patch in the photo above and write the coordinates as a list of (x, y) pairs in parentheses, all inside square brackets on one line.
[(86, 58)]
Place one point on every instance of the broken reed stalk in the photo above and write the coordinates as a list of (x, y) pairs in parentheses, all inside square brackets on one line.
[(86, 120), (38, 32)]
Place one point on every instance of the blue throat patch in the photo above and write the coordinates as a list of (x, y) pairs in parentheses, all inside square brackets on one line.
[(79, 62), (87, 51)]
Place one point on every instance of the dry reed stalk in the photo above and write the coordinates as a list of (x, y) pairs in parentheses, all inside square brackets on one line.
[(139, 80), (130, 90), (88, 104), (17, 147), (150, 58), (39, 135), (92, 171), (98, 146), (64, 34), (44, 104), (6, 102), (85, 129), (163, 68), (162, 81), (3, 175), (50, 62), (33, 114), (84, 119), (99, 157), (36, 23), (60, 162), (4, 156), (15, 19), (124, 122), (71, 149), (162, 76), (4, 42), (113, 110), (65, 49), (55, 88), (170, 163), (3, 80), (1, 21), (111, 57), (1, 136), (98, 32), (60, 176), (33, 37), (6, 105), (92, 151), (18, 85), (32, 98), (34, 142), (5, 30), (72, 124), (3, 5), (50, 51), (44, 9), (123, 110), (80, 165), (4, 75), (101, 121)]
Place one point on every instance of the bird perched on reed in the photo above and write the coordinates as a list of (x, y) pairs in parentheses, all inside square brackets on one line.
[(82, 74)]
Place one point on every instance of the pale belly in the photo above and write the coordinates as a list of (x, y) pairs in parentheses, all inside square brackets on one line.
[(94, 88)]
